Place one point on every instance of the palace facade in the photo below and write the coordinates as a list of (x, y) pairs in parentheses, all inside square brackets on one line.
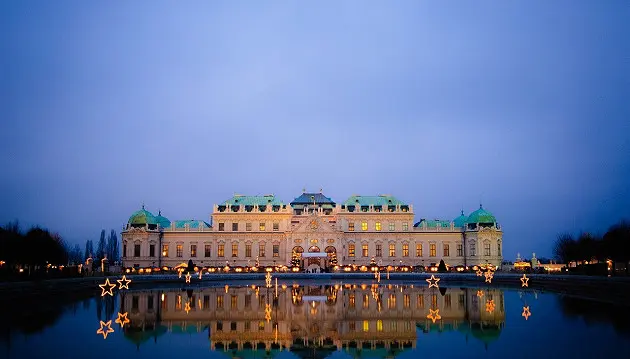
[(262, 230)]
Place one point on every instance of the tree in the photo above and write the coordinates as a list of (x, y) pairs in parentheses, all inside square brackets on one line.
[(564, 248), (442, 266), (100, 252), (112, 246), (89, 250)]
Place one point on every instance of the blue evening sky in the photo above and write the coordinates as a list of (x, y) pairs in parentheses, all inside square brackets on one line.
[(521, 105)]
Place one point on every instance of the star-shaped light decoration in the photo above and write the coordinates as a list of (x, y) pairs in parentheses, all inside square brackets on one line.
[(187, 307), (479, 272), (123, 280), (490, 306), (489, 275), (268, 279), (526, 313), (480, 293), (434, 315), (122, 319), (107, 327), (524, 281), (107, 291), (433, 282), (268, 312), (187, 277)]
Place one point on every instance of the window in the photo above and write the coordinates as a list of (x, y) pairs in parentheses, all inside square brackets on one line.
[(366, 326), (351, 301), (193, 250), (233, 326), (234, 302), (460, 250), (164, 250), (364, 250), (377, 226), (234, 227), (364, 226), (276, 250), (379, 325), (180, 250), (261, 326), (405, 226), (379, 250), (366, 301), (350, 250), (498, 249), (152, 250), (220, 301), (219, 326), (405, 250), (472, 249), (447, 251), (406, 300), (248, 250), (248, 226), (221, 226), (392, 250), (486, 249), (420, 301), (261, 226), (276, 226), (418, 249), (136, 250), (351, 226), (432, 250), (221, 250), (392, 226), (124, 253), (234, 250), (207, 250), (261, 250)]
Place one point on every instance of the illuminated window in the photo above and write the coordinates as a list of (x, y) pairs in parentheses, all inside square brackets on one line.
[(261, 226), (392, 250), (391, 301), (364, 226), (234, 302), (350, 250), (276, 226), (221, 226), (219, 301), (136, 250), (234, 250), (419, 250), (261, 326), (180, 250), (351, 226), (164, 250), (152, 250), (207, 249), (193, 250), (234, 227), (405, 226), (221, 250), (406, 301), (248, 250), (486, 249), (392, 226), (276, 250), (447, 301), (366, 301), (460, 250), (364, 249), (379, 250), (261, 250), (377, 226), (366, 326), (405, 250), (248, 226), (379, 325), (351, 300), (432, 250), (447, 252), (420, 302)]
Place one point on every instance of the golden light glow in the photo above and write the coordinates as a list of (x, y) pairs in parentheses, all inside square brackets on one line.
[(227, 287), (122, 319), (200, 273), (107, 327), (107, 291), (180, 271), (268, 279), (162, 296), (489, 275), (480, 293), (125, 281), (434, 315), (479, 273), (490, 306), (187, 307), (268, 312), (524, 281), (187, 277), (526, 313), (433, 282)]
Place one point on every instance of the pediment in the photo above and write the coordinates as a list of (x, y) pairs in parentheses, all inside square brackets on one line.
[(313, 224)]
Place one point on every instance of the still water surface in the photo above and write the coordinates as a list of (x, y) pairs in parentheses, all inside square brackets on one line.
[(317, 320)]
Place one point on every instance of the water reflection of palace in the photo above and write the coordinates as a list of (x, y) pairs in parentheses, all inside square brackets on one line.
[(348, 317)]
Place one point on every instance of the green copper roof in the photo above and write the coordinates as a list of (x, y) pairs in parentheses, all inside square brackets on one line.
[(434, 223), (253, 200), (162, 221), (461, 220), (382, 200), (192, 224), (481, 216), (142, 217)]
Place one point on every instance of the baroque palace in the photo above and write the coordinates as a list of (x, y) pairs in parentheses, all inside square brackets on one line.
[(264, 231)]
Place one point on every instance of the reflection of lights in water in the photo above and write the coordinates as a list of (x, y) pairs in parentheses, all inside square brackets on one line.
[(162, 296), (123, 280), (480, 293), (188, 277), (107, 327), (227, 288), (479, 273), (490, 306), (187, 307), (268, 279), (434, 315), (268, 312), (489, 275), (107, 291), (179, 272), (524, 281), (122, 319), (526, 313), (433, 282)]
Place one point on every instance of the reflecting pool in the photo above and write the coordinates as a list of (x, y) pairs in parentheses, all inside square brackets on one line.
[(313, 320)]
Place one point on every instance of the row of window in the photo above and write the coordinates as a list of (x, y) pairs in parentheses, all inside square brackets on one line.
[(391, 301), (405, 250), (220, 250), (378, 226), (262, 226)]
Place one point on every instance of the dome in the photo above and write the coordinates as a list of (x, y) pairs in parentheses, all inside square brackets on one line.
[(461, 220), (481, 216), (162, 221), (142, 217)]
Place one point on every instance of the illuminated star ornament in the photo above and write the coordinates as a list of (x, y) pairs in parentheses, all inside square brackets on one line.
[(122, 319), (490, 306), (479, 273), (434, 315), (524, 281), (107, 327), (107, 291), (489, 275), (433, 282), (526, 313), (187, 277), (125, 281), (480, 293)]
